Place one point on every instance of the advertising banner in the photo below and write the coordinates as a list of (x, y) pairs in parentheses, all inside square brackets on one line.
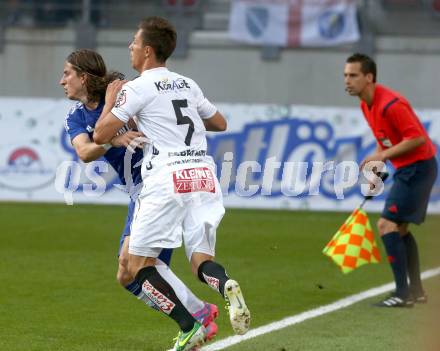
[(272, 156)]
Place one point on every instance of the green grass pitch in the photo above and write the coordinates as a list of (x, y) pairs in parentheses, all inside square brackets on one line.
[(58, 289)]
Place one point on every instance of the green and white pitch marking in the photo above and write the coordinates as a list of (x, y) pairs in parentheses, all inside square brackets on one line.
[(316, 312)]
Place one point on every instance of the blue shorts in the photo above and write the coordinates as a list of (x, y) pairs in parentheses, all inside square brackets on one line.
[(165, 255), (408, 199)]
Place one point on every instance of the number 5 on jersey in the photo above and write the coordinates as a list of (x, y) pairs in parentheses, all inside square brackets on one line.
[(181, 119)]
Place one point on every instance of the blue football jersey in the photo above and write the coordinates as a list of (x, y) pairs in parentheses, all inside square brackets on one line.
[(82, 120)]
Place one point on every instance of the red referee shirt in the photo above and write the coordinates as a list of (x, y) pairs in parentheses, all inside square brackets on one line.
[(392, 120)]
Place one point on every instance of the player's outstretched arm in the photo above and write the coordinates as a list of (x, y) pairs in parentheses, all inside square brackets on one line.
[(216, 123), (107, 127), (86, 149)]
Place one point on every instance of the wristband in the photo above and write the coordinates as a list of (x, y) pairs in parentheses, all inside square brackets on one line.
[(107, 146)]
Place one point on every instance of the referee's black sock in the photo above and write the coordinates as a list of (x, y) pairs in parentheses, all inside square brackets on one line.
[(163, 296), (214, 275), (412, 256), (396, 252)]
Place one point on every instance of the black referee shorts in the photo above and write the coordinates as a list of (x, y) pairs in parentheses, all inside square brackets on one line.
[(408, 199)]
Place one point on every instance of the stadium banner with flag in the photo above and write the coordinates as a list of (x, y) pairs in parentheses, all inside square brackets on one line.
[(293, 23), (272, 156)]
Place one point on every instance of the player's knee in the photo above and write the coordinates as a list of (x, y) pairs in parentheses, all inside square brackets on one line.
[(123, 261), (123, 276), (385, 226)]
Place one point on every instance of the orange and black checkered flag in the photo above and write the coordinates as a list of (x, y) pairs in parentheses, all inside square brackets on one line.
[(354, 244)]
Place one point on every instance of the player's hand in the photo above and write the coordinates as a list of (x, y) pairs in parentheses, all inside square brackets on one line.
[(131, 140), (112, 91)]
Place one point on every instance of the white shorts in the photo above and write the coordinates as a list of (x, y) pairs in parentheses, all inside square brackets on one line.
[(183, 204)]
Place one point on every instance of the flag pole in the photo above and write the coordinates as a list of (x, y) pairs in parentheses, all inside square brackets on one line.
[(383, 176)]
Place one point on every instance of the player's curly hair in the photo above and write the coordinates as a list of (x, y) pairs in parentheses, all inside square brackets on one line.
[(91, 64), (160, 34)]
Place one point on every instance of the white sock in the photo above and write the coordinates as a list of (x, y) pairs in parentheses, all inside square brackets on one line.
[(188, 299)]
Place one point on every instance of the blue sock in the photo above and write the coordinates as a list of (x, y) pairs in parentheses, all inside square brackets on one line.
[(396, 252), (165, 256), (134, 288)]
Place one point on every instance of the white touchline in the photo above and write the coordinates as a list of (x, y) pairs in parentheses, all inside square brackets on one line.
[(316, 312)]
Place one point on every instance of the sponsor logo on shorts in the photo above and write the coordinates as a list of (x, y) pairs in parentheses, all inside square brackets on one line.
[(212, 282), (393, 209), (159, 299), (193, 180)]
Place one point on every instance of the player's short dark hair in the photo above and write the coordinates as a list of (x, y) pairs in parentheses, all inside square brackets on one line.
[(90, 63), (367, 64), (160, 34)]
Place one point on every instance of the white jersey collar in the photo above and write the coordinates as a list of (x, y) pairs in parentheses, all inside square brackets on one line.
[(157, 69)]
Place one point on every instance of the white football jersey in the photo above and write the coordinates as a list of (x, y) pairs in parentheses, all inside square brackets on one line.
[(169, 110)]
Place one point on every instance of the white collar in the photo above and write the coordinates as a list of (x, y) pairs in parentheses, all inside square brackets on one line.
[(156, 69)]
